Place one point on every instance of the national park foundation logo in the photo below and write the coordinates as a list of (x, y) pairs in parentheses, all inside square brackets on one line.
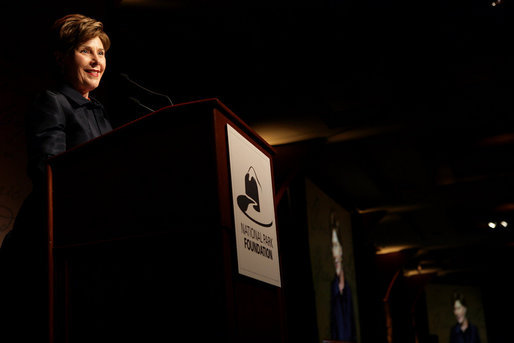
[(249, 203), (253, 209)]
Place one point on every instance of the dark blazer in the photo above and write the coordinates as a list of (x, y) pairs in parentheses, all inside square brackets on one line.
[(468, 336), (342, 318), (59, 120)]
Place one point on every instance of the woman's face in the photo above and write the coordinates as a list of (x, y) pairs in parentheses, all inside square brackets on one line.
[(337, 252), (84, 67), (459, 311)]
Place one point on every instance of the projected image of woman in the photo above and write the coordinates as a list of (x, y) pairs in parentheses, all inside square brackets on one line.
[(463, 331), (342, 321)]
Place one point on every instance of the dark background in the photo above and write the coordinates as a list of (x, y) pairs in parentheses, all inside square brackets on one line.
[(402, 111)]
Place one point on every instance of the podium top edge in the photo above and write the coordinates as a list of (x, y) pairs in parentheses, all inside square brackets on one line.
[(214, 102)]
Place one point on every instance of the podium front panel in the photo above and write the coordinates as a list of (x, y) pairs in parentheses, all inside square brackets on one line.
[(142, 236)]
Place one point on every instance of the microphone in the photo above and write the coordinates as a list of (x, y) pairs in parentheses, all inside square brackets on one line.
[(126, 77), (137, 102)]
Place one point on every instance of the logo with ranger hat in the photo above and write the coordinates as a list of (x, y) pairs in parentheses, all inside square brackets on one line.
[(249, 203)]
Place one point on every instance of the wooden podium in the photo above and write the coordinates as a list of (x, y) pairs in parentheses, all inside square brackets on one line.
[(141, 236)]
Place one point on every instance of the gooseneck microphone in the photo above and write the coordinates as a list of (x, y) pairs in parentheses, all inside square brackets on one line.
[(137, 102), (126, 77)]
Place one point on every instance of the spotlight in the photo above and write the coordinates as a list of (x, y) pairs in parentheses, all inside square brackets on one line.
[(491, 225), (504, 223)]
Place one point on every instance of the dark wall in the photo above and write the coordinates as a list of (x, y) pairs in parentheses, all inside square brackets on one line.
[(354, 62)]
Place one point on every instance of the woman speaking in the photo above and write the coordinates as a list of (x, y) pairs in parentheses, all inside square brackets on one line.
[(68, 115), (59, 119)]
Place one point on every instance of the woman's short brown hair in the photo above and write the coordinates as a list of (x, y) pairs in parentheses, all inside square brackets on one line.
[(74, 29), (457, 296)]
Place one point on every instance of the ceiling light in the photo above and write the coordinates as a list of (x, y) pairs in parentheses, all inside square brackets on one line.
[(504, 223), (416, 272), (491, 225), (383, 250), (285, 132)]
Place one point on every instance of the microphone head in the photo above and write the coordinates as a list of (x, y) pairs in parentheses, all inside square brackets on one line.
[(134, 100)]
